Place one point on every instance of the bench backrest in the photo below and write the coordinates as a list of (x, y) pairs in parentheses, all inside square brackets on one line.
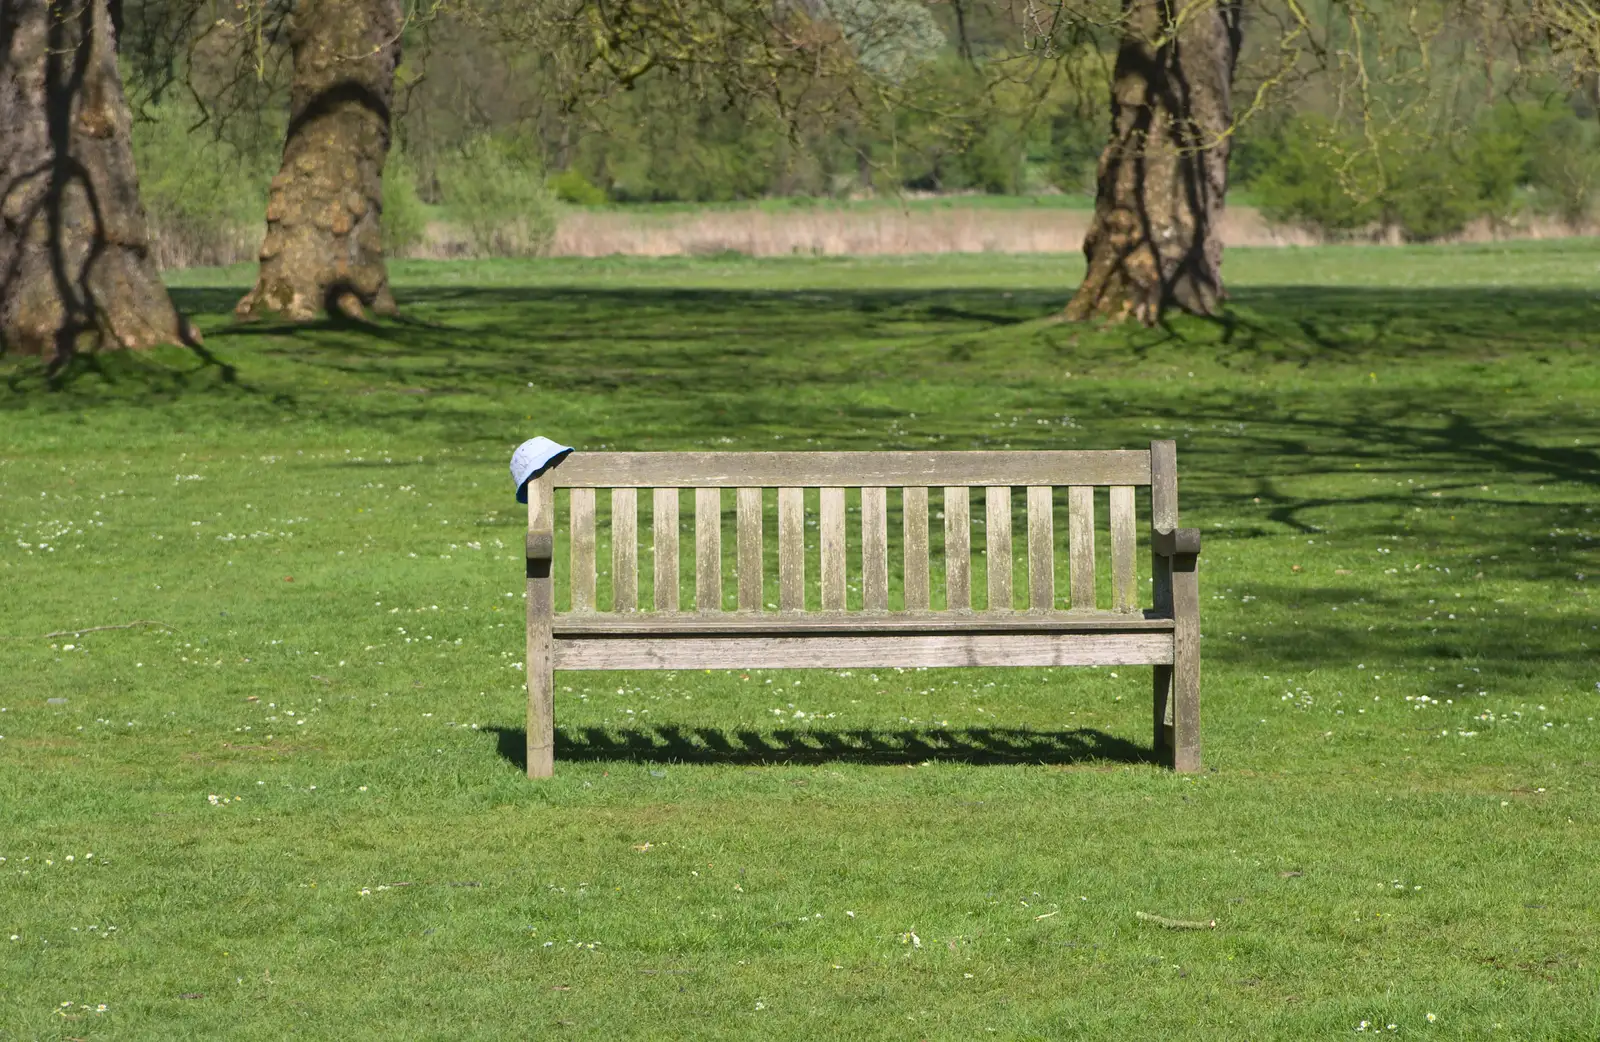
[(873, 473)]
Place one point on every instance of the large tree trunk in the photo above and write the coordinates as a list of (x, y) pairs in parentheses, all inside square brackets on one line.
[(75, 257), (324, 244), (1155, 241)]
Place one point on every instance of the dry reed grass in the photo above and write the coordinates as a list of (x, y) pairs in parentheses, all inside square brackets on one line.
[(853, 232), (908, 231), (828, 233), (181, 246)]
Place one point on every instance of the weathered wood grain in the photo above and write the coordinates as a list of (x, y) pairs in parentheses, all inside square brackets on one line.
[(1041, 549), (1163, 714), (1163, 485), (874, 548), (1163, 517), (997, 545), (831, 520), (791, 549), (1177, 592), (851, 469), (1078, 649), (957, 548), (1080, 552), (624, 549), (582, 549), (1177, 541), (914, 518), (1124, 565), (664, 525), (1186, 663), (540, 662), (708, 549), (750, 548)]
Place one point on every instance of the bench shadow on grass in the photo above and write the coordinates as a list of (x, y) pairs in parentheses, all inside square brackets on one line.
[(668, 743)]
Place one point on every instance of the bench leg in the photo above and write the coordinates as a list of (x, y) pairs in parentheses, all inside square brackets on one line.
[(1186, 663), (541, 719), (1163, 714), (540, 662)]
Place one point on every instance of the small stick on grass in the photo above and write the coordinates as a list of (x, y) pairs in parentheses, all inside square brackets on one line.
[(93, 629), (1177, 924)]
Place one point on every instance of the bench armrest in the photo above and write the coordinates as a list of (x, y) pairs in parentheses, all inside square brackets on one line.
[(541, 545), (1175, 542)]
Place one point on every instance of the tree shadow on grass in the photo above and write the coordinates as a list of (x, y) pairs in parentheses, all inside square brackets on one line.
[(181, 369), (748, 747), (1385, 631), (645, 367), (663, 344)]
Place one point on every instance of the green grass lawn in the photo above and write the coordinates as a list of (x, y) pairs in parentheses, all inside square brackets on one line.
[(303, 792)]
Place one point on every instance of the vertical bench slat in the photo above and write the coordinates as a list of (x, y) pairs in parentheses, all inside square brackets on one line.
[(997, 545), (791, 549), (1124, 574), (874, 548), (958, 548), (833, 549), (708, 549), (624, 549), (582, 513), (664, 515), (1080, 532), (914, 507), (750, 548), (1041, 549)]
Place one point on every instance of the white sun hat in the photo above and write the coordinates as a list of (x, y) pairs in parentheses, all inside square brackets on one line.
[(532, 458)]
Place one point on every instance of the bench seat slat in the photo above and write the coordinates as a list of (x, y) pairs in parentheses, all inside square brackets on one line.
[(852, 469), (802, 652), (685, 624)]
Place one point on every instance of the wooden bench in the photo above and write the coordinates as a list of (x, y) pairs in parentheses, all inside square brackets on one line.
[(707, 635)]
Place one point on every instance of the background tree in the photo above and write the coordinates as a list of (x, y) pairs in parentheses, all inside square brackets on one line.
[(1163, 177), (75, 264), (1390, 119), (324, 243)]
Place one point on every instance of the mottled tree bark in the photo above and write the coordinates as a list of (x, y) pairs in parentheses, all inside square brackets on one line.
[(1155, 241), (75, 263), (323, 249)]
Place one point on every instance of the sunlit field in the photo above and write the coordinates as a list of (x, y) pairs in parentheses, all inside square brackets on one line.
[(289, 795)]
